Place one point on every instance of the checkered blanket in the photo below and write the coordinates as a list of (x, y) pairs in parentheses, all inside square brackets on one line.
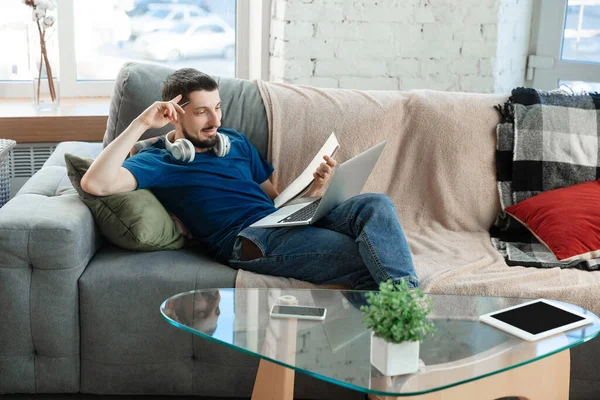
[(545, 141)]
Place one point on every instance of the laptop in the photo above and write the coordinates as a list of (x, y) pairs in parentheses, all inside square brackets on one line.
[(348, 181)]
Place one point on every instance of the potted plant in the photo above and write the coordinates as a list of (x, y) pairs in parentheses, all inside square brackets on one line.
[(397, 316)]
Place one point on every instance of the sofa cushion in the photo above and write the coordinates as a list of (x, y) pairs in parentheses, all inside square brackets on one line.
[(134, 220), (81, 149), (566, 220), (138, 85)]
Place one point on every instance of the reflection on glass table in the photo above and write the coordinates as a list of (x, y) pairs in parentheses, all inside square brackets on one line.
[(463, 351), (581, 35)]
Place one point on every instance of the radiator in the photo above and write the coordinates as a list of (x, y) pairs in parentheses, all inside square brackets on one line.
[(26, 160)]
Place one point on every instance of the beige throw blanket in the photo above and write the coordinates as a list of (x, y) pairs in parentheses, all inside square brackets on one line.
[(438, 168)]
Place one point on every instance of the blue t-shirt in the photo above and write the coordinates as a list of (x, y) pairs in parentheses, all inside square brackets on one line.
[(214, 197)]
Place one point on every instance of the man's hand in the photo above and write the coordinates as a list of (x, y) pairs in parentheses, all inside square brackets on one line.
[(161, 113), (322, 175)]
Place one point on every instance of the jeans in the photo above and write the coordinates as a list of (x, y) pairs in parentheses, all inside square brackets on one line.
[(359, 244)]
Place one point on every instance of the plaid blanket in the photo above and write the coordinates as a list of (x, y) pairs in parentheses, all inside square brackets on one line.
[(545, 141)]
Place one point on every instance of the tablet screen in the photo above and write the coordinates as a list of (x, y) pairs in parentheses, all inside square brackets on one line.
[(537, 317)]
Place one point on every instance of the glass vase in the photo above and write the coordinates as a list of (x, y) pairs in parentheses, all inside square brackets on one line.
[(46, 97), (44, 66)]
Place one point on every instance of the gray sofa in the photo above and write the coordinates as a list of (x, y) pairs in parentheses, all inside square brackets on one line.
[(81, 315)]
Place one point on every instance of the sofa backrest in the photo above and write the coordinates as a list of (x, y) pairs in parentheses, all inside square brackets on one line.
[(138, 85), (438, 165)]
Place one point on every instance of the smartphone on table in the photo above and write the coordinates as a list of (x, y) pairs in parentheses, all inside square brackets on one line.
[(299, 312)]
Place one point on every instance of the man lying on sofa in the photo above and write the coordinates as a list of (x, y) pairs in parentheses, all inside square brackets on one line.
[(358, 244)]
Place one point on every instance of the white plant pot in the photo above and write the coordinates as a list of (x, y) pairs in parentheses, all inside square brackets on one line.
[(394, 358)]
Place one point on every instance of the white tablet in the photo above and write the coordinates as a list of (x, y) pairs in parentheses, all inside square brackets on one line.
[(536, 319)]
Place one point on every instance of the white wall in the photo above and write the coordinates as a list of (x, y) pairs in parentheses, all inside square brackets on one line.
[(512, 47), (471, 45)]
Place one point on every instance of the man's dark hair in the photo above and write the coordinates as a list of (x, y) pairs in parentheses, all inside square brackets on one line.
[(185, 81)]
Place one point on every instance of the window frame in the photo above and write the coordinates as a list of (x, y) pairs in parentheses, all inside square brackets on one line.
[(252, 53), (548, 43)]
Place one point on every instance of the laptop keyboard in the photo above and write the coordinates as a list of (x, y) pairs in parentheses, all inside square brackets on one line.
[(303, 214)]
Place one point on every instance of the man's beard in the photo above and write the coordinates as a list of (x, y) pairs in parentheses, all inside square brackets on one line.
[(201, 143)]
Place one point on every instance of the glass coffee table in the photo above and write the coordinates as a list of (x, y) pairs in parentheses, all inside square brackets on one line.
[(464, 358)]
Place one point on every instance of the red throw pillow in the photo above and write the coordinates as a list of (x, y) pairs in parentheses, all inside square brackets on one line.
[(566, 220)]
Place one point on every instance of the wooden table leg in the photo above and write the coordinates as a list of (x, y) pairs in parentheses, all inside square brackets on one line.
[(545, 379), (273, 382)]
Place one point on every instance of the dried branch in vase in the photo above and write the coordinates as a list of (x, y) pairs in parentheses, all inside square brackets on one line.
[(44, 21)]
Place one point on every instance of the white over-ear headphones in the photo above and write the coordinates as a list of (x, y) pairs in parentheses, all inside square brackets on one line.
[(184, 151)]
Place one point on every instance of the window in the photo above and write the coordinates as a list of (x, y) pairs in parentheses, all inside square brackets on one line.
[(579, 86), (207, 29), (14, 20), (581, 37), (156, 14), (568, 45), (97, 38), (217, 29), (115, 35), (179, 29)]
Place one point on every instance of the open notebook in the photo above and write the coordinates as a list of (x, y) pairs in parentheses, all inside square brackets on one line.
[(301, 184)]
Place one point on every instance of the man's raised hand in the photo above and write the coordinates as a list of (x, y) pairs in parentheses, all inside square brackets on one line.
[(161, 113)]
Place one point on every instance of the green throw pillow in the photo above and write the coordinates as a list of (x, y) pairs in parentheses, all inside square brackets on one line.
[(133, 220)]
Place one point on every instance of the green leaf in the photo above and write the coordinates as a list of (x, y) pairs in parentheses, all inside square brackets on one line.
[(397, 313)]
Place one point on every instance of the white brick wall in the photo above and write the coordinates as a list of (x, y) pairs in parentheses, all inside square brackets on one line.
[(471, 45), (514, 23)]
